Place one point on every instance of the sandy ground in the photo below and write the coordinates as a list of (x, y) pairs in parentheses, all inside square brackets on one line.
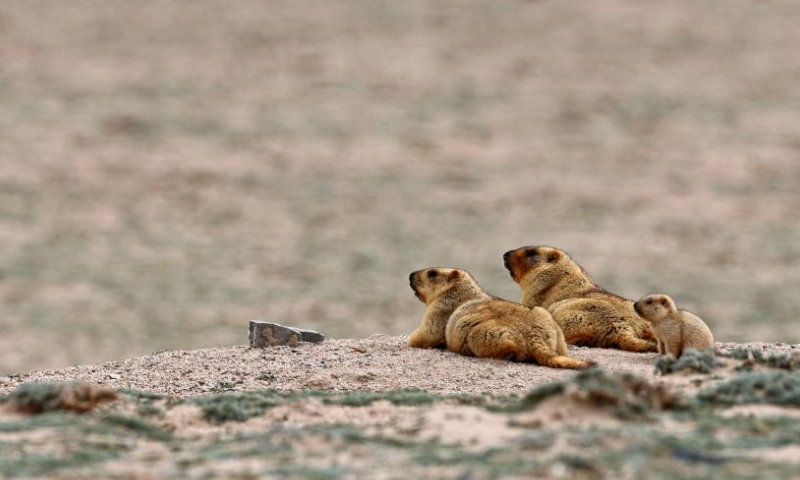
[(169, 170), (375, 364), (317, 434)]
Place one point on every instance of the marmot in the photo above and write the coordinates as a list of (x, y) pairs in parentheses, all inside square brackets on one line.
[(675, 330), (588, 315), (469, 321)]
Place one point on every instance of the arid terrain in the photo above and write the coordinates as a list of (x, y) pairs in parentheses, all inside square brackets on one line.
[(170, 170), (374, 408)]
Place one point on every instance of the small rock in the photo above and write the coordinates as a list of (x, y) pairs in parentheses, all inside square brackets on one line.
[(311, 336), (267, 334)]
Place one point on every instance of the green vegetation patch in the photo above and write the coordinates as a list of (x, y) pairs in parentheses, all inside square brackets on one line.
[(628, 396), (703, 448), (751, 357), (23, 463), (775, 387), (534, 397), (73, 441), (242, 406), (47, 420), (237, 407), (141, 395), (749, 432), (36, 398), (138, 426), (407, 397), (403, 397), (148, 404), (691, 360)]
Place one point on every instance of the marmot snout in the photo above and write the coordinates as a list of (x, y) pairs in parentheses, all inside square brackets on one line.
[(429, 283)]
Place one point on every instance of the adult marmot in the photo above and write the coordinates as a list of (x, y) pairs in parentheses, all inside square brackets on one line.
[(461, 315), (675, 330), (588, 315)]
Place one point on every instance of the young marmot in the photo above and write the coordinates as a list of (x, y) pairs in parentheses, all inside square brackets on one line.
[(675, 330), (469, 321), (588, 315)]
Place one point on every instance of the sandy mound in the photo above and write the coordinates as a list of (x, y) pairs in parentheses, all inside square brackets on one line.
[(597, 423), (377, 363)]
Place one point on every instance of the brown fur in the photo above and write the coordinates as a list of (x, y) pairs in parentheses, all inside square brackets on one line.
[(675, 330), (588, 315), (469, 321)]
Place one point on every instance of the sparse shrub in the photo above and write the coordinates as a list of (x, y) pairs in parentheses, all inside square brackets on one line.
[(34, 398), (242, 406), (752, 357), (532, 399), (776, 387), (237, 407), (627, 395), (150, 410), (138, 426), (693, 360), (140, 394), (408, 397)]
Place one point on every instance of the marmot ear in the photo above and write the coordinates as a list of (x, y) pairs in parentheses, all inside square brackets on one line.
[(454, 275), (553, 256)]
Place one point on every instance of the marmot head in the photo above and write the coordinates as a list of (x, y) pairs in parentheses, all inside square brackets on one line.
[(430, 283), (521, 261), (654, 307)]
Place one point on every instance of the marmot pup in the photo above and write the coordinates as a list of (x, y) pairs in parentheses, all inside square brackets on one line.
[(588, 315), (469, 321), (675, 330)]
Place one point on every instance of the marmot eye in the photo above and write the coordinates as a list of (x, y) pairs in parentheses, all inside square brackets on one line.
[(432, 273), (530, 253), (649, 302)]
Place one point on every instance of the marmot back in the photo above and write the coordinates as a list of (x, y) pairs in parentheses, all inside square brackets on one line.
[(588, 314)]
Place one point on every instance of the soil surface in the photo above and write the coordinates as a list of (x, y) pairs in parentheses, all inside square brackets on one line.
[(378, 363), (375, 408)]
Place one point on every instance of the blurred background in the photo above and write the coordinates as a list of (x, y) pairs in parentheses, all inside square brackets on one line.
[(170, 170)]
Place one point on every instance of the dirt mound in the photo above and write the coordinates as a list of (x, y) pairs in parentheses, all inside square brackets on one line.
[(597, 423), (378, 363)]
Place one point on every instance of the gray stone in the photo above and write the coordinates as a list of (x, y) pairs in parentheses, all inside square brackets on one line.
[(312, 336), (268, 334)]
